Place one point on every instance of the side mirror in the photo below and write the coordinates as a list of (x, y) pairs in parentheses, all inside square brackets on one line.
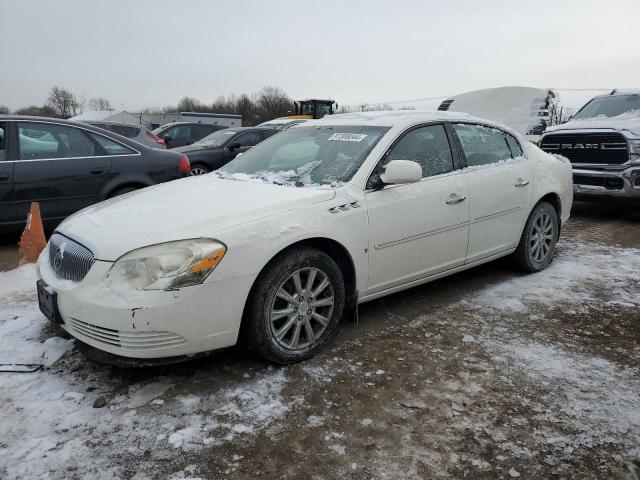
[(401, 171), (234, 145)]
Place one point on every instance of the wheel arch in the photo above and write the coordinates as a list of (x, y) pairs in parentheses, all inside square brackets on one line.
[(337, 251), (556, 202)]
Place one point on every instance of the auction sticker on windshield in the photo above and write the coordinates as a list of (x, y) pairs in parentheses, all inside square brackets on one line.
[(348, 137)]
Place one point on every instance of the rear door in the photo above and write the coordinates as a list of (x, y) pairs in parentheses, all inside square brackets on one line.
[(62, 167), (500, 189), (7, 207)]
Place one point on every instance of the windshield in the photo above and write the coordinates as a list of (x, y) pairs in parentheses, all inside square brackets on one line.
[(609, 106), (216, 139), (307, 156)]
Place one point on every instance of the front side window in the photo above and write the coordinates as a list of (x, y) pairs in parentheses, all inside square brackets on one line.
[(307, 156), (46, 140), (482, 145), (248, 139), (3, 144), (428, 146), (112, 147)]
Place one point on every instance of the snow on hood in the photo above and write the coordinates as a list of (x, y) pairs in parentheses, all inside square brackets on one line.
[(629, 121), (192, 207)]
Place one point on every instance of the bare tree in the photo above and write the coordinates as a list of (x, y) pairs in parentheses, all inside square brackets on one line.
[(34, 110), (188, 104), (99, 103), (272, 102), (63, 102), (4, 110)]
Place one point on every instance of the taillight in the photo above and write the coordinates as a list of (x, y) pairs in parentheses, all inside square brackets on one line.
[(155, 138), (183, 164)]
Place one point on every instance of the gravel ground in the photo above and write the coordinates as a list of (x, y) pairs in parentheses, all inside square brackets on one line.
[(485, 374)]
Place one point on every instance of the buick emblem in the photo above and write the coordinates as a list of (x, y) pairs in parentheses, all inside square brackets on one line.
[(58, 258)]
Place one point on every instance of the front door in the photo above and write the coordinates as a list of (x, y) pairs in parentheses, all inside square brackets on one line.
[(62, 167), (7, 207), (419, 229), (499, 189)]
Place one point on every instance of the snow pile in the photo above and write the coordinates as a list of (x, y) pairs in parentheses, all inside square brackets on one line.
[(573, 278)]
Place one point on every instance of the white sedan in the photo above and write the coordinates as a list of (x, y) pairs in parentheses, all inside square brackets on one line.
[(278, 246)]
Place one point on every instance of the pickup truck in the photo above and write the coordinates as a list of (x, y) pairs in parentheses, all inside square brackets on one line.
[(602, 142)]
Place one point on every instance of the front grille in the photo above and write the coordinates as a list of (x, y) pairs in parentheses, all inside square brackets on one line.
[(68, 259), (126, 340), (603, 148), (608, 183)]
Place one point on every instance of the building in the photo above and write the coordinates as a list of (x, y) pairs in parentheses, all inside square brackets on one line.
[(154, 120)]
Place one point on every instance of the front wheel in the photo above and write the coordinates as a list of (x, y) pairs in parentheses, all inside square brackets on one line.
[(539, 238), (294, 307)]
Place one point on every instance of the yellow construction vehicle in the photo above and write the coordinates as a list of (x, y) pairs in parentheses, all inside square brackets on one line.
[(314, 108)]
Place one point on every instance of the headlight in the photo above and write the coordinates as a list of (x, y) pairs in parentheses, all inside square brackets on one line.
[(634, 146), (168, 265)]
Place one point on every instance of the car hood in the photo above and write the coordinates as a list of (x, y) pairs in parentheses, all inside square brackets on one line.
[(626, 122), (193, 207)]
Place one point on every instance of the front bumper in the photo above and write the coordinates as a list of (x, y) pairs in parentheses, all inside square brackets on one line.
[(613, 183), (149, 324)]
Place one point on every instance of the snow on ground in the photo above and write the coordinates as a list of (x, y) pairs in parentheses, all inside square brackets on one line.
[(48, 424)]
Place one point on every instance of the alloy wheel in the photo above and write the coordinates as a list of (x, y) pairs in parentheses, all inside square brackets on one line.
[(198, 171), (301, 309), (542, 238)]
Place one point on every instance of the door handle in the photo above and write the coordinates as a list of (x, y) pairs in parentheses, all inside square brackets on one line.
[(98, 171), (522, 183), (4, 176), (453, 199)]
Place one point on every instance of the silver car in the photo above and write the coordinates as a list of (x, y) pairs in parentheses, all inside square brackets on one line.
[(133, 132)]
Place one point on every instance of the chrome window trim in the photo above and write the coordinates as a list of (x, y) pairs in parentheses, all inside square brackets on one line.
[(17, 122)]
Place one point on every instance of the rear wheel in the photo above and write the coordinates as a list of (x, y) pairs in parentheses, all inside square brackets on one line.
[(539, 238), (294, 307), (199, 170)]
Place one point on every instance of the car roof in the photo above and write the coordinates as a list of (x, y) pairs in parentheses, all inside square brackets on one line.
[(28, 118), (617, 92), (399, 118), (94, 122)]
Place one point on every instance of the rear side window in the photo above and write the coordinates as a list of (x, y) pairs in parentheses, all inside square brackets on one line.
[(129, 132), (199, 131), (514, 145), (428, 146), (482, 145), (181, 132), (3, 147), (47, 140), (267, 133), (112, 147)]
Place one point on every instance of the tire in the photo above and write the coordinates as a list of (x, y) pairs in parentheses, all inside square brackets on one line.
[(276, 340), (121, 191), (198, 169), (535, 253)]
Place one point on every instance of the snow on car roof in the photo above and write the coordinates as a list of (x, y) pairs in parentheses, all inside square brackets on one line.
[(398, 118)]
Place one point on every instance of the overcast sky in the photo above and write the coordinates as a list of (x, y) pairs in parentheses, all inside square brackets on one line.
[(151, 53)]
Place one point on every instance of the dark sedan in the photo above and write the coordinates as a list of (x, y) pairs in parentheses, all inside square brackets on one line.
[(66, 166), (219, 148), (179, 134)]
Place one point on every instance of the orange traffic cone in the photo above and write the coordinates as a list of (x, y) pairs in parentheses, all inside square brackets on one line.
[(32, 241)]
